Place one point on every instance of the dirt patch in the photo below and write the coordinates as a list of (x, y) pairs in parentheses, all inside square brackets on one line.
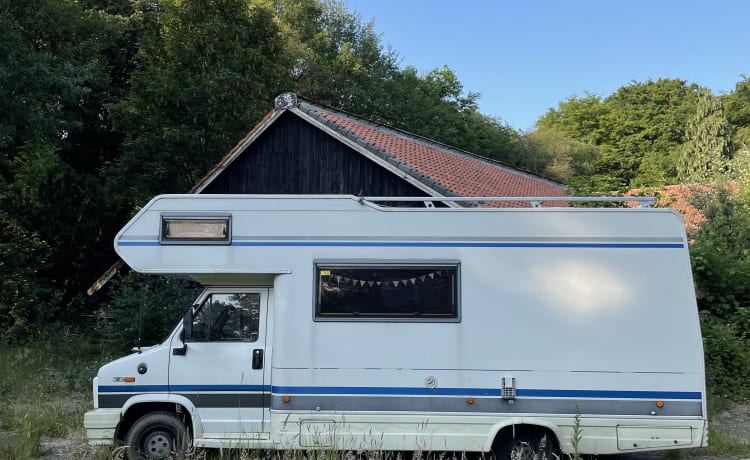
[(72, 446)]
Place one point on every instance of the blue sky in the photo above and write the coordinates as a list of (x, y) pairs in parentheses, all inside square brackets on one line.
[(526, 56)]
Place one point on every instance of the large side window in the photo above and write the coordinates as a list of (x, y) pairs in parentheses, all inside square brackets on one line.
[(228, 317), (387, 292)]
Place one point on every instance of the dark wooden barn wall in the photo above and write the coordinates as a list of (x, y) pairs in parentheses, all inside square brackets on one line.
[(293, 157)]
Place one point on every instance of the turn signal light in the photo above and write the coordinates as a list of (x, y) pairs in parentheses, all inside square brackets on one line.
[(660, 404)]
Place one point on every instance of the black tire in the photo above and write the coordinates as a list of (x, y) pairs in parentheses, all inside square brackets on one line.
[(156, 435), (534, 445)]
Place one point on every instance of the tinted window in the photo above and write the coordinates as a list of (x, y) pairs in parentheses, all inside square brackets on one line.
[(387, 291)]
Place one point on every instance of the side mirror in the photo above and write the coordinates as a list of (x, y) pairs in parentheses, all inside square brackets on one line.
[(187, 332)]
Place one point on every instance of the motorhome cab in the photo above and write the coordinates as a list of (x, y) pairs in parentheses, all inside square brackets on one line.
[(332, 322)]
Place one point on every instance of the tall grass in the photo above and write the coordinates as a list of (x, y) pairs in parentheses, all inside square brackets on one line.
[(45, 387)]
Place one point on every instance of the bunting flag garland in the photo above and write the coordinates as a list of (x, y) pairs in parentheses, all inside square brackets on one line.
[(370, 283)]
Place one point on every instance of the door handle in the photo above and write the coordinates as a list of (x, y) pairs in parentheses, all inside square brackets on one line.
[(258, 358)]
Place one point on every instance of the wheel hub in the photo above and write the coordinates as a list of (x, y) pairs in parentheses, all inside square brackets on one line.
[(158, 444)]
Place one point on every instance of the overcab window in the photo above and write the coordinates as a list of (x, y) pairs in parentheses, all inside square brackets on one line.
[(387, 291), (207, 229)]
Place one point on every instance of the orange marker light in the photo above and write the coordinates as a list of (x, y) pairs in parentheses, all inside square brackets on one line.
[(659, 404), (470, 400), (286, 398), (129, 379)]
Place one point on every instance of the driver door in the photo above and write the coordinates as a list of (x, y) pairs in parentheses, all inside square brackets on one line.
[(222, 368)]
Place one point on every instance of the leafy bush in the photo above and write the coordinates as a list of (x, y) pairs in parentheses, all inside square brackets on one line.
[(720, 255), (146, 307), (727, 352), (26, 301)]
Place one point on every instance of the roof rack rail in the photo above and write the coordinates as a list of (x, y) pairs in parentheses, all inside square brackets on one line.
[(536, 201)]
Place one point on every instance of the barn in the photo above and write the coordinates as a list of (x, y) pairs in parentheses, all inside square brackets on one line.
[(302, 147)]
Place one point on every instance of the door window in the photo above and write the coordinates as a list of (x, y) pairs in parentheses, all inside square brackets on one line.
[(228, 317)]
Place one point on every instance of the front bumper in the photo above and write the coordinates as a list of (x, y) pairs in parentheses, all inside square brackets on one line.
[(100, 425)]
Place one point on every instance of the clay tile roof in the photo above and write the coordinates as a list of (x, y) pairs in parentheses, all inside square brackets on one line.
[(451, 171)]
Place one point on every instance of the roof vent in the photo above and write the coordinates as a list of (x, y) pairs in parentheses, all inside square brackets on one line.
[(285, 101)]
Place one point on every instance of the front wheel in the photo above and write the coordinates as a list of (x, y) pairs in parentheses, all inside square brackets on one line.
[(156, 435)]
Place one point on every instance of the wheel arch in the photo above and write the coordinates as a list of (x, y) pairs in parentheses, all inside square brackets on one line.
[(140, 405), (509, 428)]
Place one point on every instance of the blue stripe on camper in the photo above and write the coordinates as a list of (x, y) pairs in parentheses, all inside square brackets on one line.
[(540, 393), (438, 244), (376, 391)]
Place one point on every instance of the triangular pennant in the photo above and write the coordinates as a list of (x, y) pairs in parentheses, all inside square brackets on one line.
[(413, 280), (370, 283)]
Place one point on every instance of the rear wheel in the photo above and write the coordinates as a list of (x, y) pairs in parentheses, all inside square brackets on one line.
[(157, 435), (535, 445)]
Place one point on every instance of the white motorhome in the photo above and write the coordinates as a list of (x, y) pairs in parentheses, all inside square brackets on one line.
[(332, 322)]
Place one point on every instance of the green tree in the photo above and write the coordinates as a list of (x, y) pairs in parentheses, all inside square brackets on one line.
[(551, 153), (207, 71), (38, 85), (579, 118), (638, 129), (338, 59), (709, 147), (54, 81), (737, 110), (645, 127)]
